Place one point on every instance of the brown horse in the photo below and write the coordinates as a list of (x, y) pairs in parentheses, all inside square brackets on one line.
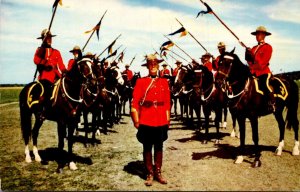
[(62, 107), (248, 101)]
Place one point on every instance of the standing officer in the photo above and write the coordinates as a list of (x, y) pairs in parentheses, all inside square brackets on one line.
[(50, 66), (150, 113), (258, 59), (77, 57)]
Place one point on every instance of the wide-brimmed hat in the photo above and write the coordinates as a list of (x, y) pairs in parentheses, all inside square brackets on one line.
[(261, 29), (127, 65), (206, 55), (75, 48), (164, 64), (221, 45), (89, 55), (178, 62), (44, 33), (152, 57)]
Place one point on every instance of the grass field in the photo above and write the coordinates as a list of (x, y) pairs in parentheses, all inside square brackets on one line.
[(116, 163), (9, 94)]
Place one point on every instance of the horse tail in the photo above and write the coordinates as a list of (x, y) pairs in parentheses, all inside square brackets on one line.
[(25, 116), (292, 106)]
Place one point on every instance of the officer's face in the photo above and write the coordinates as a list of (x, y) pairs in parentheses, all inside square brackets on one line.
[(260, 36), (48, 40), (152, 67)]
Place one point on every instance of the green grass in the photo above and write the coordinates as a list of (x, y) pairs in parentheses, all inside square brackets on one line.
[(9, 94)]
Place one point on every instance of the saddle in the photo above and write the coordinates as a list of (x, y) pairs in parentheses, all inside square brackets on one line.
[(36, 93), (276, 85)]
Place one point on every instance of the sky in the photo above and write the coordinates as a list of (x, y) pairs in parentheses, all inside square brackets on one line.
[(142, 25)]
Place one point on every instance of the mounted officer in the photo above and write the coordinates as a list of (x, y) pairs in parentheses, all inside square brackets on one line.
[(128, 72), (178, 66), (205, 59), (76, 51), (215, 61), (165, 72), (258, 59), (50, 66)]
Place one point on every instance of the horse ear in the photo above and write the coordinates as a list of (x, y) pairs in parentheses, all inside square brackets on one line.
[(232, 51)]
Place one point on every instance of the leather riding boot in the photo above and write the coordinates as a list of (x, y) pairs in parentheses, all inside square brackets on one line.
[(149, 168), (158, 155)]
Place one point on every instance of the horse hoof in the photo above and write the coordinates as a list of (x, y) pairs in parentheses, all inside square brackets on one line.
[(278, 152), (73, 166), (217, 142), (239, 159), (295, 151), (28, 159), (256, 163), (98, 132), (59, 170), (232, 134), (204, 142)]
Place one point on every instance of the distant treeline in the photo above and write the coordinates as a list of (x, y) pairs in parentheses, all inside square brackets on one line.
[(12, 85), (295, 75)]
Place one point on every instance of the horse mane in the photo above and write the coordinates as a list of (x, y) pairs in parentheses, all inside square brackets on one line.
[(239, 71)]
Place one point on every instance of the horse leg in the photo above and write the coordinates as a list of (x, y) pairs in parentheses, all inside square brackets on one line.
[(25, 117), (234, 131), (281, 126), (225, 117), (207, 112), (71, 128), (218, 119), (35, 133), (242, 124), (94, 128), (86, 128), (61, 130), (255, 138)]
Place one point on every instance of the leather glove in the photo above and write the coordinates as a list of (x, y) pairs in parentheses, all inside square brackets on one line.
[(248, 55), (41, 52)]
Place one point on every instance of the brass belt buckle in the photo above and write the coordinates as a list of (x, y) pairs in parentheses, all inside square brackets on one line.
[(155, 104)]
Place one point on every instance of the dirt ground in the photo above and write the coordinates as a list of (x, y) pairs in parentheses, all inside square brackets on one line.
[(116, 163)]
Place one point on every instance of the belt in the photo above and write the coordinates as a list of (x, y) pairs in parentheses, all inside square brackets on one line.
[(149, 104)]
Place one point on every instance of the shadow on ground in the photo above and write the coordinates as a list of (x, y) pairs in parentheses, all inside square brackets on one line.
[(136, 168)]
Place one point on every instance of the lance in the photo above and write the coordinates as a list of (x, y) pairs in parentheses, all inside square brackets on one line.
[(192, 36), (114, 53), (93, 32), (178, 55), (120, 54), (209, 10), (108, 46), (50, 25), (132, 60), (179, 48)]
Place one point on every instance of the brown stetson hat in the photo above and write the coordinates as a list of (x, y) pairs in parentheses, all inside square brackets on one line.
[(44, 33), (261, 29), (152, 57), (178, 62), (75, 48)]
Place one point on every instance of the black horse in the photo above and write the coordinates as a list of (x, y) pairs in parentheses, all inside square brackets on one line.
[(248, 101), (62, 107), (127, 90)]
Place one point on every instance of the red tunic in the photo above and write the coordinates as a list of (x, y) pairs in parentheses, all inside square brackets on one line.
[(70, 64), (158, 96), (262, 55), (208, 64), (129, 74), (175, 71), (215, 64), (164, 72), (52, 59)]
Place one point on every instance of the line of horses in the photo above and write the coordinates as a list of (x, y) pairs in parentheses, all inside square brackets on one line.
[(89, 88)]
